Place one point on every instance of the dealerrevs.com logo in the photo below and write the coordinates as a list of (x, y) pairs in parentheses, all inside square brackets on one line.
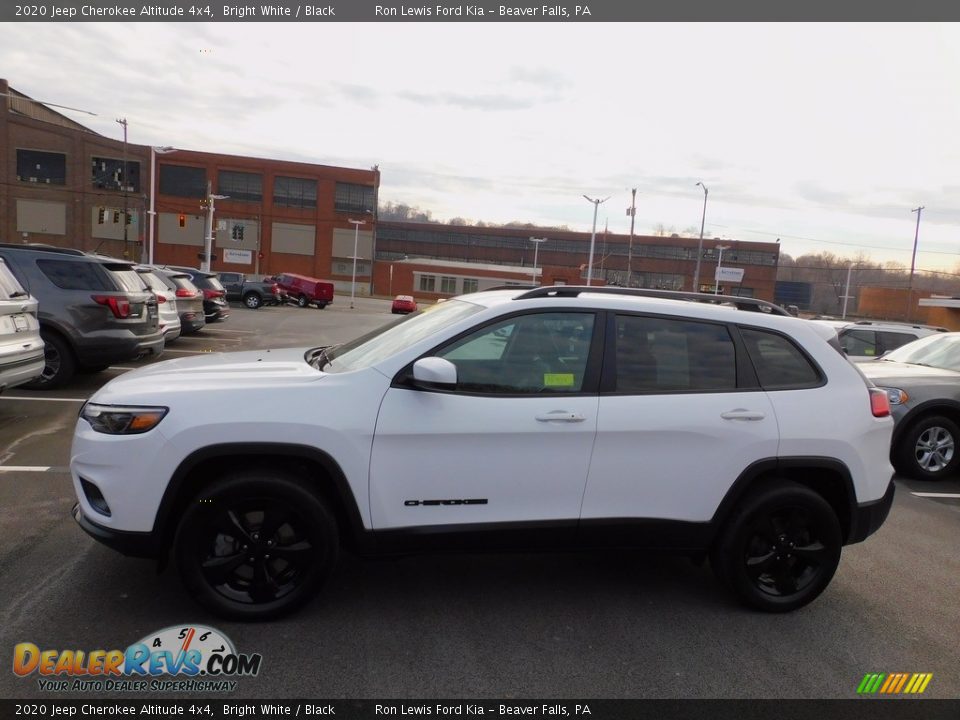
[(180, 658)]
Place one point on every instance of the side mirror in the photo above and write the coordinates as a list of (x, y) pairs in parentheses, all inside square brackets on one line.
[(434, 373)]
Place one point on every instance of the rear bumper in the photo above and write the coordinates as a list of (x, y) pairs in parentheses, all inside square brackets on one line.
[(134, 544), (868, 517)]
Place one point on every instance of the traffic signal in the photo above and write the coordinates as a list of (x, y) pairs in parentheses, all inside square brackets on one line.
[(126, 220), (116, 217), (183, 220), (100, 215), (236, 232)]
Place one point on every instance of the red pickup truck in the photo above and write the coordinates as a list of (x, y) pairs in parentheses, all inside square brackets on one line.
[(305, 290)]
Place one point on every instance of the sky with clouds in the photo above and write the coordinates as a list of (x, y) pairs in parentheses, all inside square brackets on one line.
[(825, 136)]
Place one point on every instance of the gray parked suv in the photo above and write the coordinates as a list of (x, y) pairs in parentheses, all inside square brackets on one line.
[(94, 311)]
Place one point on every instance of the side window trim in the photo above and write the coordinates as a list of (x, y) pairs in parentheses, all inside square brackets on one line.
[(591, 376)]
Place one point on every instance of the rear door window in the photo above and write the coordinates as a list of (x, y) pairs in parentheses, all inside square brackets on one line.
[(893, 340), (127, 278), (860, 342), (9, 287), (665, 355), (779, 363)]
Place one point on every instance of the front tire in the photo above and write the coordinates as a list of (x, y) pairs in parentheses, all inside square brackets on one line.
[(302, 301), (252, 300), (256, 544), (780, 548), (928, 449)]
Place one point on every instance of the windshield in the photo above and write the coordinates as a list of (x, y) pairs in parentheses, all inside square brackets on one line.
[(939, 351), (384, 342)]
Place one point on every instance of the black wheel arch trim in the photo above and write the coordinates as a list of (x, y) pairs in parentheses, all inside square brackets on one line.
[(774, 468), (162, 526)]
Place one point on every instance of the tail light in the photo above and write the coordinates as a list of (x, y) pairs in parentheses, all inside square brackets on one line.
[(120, 306), (161, 299), (275, 289), (212, 294), (879, 403), (184, 293)]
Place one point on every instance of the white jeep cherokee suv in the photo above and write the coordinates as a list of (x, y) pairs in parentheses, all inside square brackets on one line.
[(559, 417)]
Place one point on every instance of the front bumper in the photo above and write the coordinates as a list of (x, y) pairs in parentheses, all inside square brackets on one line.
[(133, 544), (868, 517)]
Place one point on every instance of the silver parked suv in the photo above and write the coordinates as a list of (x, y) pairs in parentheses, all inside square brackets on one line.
[(558, 417), (21, 349), (94, 311)]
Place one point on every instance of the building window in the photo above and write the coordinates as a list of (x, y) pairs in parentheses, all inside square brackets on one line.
[(240, 186), (448, 284), (742, 292), (428, 283), (183, 181), (469, 285), (352, 198), (35, 166), (294, 192), (108, 174)]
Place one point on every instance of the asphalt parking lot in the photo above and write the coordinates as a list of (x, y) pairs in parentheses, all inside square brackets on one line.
[(508, 626)]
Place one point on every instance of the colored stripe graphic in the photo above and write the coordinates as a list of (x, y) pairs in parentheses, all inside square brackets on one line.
[(894, 683)]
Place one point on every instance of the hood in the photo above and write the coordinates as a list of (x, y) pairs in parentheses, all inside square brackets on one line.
[(887, 372), (253, 368)]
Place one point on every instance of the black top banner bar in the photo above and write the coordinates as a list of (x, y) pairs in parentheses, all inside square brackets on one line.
[(494, 11)]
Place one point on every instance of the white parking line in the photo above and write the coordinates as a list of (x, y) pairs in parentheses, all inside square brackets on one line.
[(242, 332), (936, 495), (206, 339), (192, 352), (42, 399), (24, 468)]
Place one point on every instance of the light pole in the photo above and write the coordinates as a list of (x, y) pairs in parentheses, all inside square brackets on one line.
[(632, 212), (208, 240), (593, 236), (123, 123), (536, 247), (703, 218), (154, 151), (716, 285), (356, 237), (913, 263)]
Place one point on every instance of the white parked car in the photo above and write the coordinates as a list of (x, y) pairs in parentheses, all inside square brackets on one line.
[(865, 340), (21, 347), (546, 418)]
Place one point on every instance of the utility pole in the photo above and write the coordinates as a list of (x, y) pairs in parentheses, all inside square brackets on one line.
[(536, 250), (913, 263), (846, 294), (633, 213), (123, 122), (593, 236), (208, 235), (703, 219)]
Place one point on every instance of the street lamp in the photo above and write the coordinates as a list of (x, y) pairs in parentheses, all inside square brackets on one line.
[(716, 285), (154, 151), (593, 236), (536, 247), (208, 240), (356, 237), (703, 217)]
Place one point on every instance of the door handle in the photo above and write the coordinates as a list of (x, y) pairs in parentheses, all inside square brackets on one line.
[(560, 416), (742, 414)]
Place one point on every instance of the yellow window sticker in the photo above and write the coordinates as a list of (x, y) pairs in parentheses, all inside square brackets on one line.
[(558, 379)]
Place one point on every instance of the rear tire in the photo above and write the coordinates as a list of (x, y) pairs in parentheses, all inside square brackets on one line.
[(256, 544), (780, 548), (928, 449), (321, 306), (60, 365)]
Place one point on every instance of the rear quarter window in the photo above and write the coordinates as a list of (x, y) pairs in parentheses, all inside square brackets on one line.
[(779, 363), (72, 275)]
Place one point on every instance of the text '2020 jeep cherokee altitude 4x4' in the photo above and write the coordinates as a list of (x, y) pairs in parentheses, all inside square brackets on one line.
[(555, 417)]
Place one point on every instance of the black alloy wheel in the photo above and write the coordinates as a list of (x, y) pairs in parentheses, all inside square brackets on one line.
[(256, 545), (781, 547)]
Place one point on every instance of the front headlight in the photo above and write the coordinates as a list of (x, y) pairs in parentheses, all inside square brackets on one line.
[(122, 419), (896, 395)]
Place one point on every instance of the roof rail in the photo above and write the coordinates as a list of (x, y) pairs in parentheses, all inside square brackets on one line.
[(43, 246), (741, 303)]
